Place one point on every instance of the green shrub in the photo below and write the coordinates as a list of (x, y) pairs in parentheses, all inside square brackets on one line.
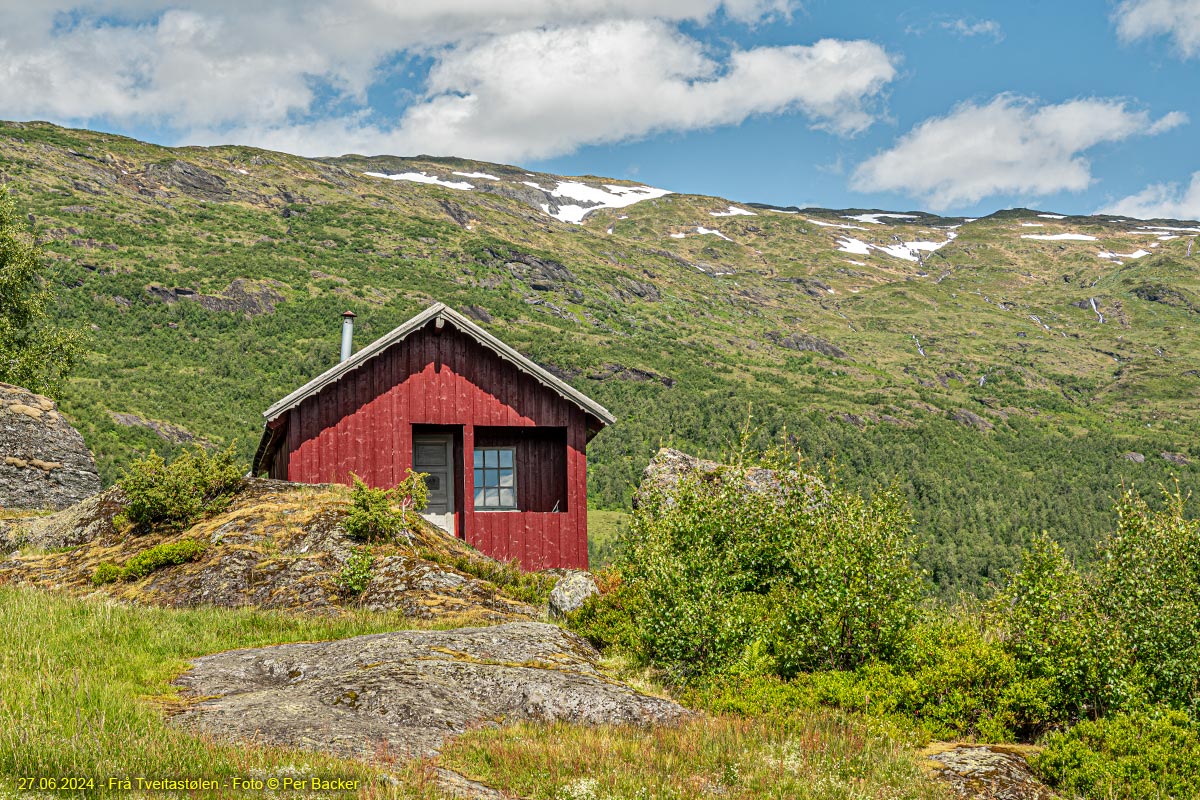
[(374, 516), (796, 576), (356, 573), (1052, 628), (162, 555), (1149, 583), (176, 494), (1152, 754), (106, 572), (609, 619)]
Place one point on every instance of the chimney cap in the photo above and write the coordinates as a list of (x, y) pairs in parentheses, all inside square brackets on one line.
[(349, 314)]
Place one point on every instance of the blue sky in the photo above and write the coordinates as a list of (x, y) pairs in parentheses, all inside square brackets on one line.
[(958, 107)]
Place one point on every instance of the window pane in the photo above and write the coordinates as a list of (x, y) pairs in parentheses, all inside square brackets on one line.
[(493, 497), (508, 498), (478, 457), (489, 458), (491, 477), (478, 477), (506, 458), (506, 477), (478, 496)]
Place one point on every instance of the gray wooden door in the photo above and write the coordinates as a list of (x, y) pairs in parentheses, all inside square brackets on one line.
[(434, 454)]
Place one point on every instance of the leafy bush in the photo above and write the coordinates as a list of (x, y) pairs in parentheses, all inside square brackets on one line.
[(178, 493), (788, 572), (162, 555), (373, 514), (356, 573), (1152, 754), (106, 572), (1149, 583), (1052, 628)]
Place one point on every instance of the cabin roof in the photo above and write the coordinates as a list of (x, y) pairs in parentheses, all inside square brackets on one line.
[(466, 326)]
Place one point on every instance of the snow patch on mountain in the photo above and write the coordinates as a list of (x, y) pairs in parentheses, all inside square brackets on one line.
[(484, 175), (1134, 254), (835, 225), (1051, 216), (733, 211), (875, 219), (610, 196), (909, 251), (421, 177), (1059, 237)]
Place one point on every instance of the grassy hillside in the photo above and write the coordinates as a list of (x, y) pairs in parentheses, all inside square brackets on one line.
[(977, 376)]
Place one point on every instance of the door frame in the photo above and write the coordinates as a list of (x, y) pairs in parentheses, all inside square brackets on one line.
[(447, 440)]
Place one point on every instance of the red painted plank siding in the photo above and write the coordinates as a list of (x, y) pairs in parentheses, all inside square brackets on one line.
[(363, 424)]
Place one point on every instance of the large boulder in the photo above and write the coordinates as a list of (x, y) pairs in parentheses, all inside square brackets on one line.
[(402, 694), (570, 593), (43, 460)]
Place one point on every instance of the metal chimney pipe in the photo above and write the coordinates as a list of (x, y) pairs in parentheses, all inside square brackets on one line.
[(347, 334)]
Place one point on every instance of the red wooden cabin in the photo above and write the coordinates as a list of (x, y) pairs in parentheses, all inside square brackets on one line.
[(503, 440)]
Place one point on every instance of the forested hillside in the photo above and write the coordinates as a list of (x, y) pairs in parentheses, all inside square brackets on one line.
[(1008, 373)]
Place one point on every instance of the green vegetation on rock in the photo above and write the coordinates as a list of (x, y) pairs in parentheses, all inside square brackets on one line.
[(382, 515), (176, 494)]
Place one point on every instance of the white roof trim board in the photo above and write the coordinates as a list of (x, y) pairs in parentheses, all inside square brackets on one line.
[(436, 311)]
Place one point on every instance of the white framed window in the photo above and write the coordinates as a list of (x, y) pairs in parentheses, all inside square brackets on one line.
[(495, 478)]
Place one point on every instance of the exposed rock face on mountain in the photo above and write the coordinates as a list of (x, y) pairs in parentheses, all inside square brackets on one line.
[(277, 545), (43, 460), (404, 693)]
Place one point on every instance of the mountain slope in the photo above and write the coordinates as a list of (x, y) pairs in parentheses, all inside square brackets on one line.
[(999, 369)]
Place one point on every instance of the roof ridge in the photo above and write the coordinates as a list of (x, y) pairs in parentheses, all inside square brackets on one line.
[(415, 323)]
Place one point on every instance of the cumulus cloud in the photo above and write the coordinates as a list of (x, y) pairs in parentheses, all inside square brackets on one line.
[(1161, 201), (1178, 19), (544, 92), (509, 79), (1008, 145)]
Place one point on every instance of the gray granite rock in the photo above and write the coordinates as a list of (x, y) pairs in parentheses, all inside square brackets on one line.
[(403, 694), (43, 460), (570, 593)]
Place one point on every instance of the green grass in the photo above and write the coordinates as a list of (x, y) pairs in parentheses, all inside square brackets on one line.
[(604, 529), (84, 685), (800, 756)]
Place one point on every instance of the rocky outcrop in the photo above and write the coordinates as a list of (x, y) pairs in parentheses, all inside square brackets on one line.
[(43, 460), (277, 545), (987, 772), (1135, 457), (668, 467), (805, 342), (971, 420), (189, 179), (570, 593), (403, 694), (1175, 458), (174, 434), (243, 295)]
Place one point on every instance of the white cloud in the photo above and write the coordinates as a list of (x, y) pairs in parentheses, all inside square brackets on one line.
[(510, 79), (960, 26), (1008, 145), (1178, 19), (545, 92), (969, 28), (1161, 201)]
